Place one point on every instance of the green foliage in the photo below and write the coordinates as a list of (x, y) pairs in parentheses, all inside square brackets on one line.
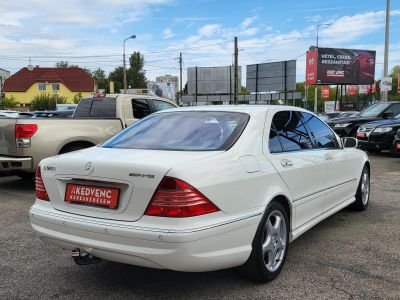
[(65, 64), (47, 102), (77, 97), (9, 102), (135, 74), (100, 77), (244, 91)]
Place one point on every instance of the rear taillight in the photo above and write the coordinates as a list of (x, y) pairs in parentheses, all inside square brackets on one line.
[(175, 198), (23, 134), (40, 189)]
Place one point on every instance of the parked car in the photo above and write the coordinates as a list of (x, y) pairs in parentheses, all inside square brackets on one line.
[(200, 188), (25, 142), (53, 114), (380, 111), (379, 135)]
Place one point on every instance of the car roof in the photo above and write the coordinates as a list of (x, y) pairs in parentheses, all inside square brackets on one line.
[(244, 108)]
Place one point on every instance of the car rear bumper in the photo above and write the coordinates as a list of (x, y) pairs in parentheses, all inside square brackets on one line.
[(218, 246), (11, 163)]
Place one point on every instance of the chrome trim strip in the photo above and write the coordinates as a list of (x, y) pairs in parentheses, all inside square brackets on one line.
[(159, 230), (323, 190)]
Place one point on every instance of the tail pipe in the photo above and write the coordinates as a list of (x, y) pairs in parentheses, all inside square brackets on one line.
[(84, 258)]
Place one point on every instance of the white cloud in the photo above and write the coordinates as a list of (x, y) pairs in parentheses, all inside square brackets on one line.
[(247, 22), (209, 30), (168, 33), (249, 31)]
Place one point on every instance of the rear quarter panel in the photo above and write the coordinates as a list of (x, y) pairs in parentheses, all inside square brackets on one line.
[(7, 136), (53, 134)]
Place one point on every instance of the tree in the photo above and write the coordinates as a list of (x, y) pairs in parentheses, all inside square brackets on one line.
[(100, 77), (65, 64), (136, 75), (118, 77), (394, 94)]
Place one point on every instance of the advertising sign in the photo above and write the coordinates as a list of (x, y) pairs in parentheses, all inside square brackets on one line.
[(386, 84), (340, 66), (329, 106), (271, 77), (398, 83), (325, 91), (311, 66), (162, 89), (352, 90)]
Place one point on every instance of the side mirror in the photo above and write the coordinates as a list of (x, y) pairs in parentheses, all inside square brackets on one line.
[(349, 142), (387, 115)]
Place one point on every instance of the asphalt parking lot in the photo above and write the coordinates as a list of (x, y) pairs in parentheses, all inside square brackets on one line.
[(348, 256)]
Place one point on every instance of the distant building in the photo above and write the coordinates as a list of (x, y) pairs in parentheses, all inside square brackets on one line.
[(27, 83), (4, 74), (168, 79)]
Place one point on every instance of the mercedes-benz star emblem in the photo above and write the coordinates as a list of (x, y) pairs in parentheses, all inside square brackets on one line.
[(89, 168)]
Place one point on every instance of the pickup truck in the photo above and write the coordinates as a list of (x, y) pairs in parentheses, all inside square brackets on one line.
[(24, 142)]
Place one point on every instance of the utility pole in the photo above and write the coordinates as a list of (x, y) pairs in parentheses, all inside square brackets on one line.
[(384, 95), (124, 62), (316, 98), (235, 89), (180, 76)]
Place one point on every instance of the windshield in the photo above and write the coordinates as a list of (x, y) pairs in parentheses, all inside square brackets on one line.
[(375, 110), (182, 131)]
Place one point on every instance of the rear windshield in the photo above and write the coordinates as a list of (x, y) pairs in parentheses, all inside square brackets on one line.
[(183, 131), (99, 107), (374, 110)]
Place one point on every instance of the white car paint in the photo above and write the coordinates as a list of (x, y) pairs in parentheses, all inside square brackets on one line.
[(241, 182)]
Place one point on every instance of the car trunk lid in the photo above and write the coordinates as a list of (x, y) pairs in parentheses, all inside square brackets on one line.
[(134, 173)]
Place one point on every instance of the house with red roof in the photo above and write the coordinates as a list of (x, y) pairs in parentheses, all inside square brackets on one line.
[(30, 81)]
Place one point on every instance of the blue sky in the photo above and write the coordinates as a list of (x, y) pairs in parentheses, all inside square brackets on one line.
[(90, 33)]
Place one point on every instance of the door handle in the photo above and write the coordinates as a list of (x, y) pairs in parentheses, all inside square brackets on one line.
[(286, 163)]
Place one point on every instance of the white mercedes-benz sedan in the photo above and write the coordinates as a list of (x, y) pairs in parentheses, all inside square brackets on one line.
[(200, 188)]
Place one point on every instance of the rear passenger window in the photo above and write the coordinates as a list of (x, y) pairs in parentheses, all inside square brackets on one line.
[(320, 133), (96, 108), (274, 143), (291, 132), (140, 108), (161, 105)]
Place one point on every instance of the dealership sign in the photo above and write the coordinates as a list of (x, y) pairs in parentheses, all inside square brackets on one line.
[(386, 84), (340, 66), (325, 92)]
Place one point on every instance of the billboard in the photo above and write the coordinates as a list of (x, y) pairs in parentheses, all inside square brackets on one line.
[(162, 89), (271, 77), (352, 90), (212, 80), (340, 66), (325, 91), (386, 84)]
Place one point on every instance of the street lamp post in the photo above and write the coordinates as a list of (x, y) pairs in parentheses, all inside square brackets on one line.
[(384, 95), (316, 86), (125, 81)]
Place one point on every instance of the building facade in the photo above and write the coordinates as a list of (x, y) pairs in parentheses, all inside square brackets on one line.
[(169, 79), (4, 74), (27, 83)]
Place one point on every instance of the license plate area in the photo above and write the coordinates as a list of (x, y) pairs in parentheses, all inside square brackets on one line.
[(91, 195)]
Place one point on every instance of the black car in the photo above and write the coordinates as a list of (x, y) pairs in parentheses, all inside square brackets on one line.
[(379, 135), (379, 111), (396, 144)]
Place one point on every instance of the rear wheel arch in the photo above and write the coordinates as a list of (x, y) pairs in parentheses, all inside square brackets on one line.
[(286, 204), (75, 145)]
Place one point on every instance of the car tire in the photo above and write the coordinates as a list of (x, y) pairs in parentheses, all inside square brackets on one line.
[(363, 191), (270, 245)]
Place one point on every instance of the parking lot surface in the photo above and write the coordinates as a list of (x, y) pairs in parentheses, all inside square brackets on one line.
[(351, 255)]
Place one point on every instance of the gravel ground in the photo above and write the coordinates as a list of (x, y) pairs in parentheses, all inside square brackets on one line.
[(348, 256)]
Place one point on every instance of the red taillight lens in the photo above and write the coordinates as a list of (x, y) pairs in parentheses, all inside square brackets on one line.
[(40, 190), (25, 131), (175, 198)]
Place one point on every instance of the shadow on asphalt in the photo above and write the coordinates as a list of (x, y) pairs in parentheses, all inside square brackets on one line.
[(14, 183)]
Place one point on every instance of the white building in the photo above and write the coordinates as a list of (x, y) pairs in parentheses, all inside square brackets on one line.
[(4, 74), (168, 79)]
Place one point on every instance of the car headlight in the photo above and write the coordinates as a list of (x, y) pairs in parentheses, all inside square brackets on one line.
[(342, 125), (383, 129)]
